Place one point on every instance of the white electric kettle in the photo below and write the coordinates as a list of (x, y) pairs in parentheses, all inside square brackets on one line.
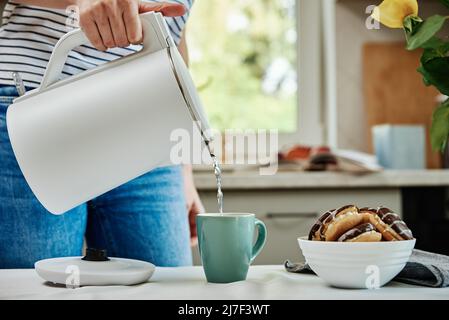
[(77, 138)]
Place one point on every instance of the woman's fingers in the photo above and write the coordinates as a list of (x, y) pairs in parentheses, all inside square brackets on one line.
[(133, 25), (90, 29), (119, 31), (116, 23), (167, 9), (115, 11), (104, 28)]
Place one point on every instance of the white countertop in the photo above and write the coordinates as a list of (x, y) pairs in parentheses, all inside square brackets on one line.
[(264, 282), (250, 179)]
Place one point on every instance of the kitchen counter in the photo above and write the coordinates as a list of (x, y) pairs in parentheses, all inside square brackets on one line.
[(264, 282), (250, 179)]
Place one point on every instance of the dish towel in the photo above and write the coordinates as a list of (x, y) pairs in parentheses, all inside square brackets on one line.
[(423, 269)]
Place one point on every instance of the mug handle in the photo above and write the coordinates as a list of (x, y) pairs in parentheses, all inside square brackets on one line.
[(261, 238)]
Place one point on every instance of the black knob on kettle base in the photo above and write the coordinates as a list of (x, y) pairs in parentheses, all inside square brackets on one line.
[(93, 254)]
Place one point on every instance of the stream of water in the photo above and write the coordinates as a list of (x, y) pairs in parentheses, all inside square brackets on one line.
[(217, 172)]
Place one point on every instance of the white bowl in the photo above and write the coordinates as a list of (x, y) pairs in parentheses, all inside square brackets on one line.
[(356, 264)]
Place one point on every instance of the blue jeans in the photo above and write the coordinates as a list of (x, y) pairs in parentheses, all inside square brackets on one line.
[(144, 219)]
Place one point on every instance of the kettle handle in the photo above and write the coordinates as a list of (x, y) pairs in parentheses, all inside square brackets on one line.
[(156, 37)]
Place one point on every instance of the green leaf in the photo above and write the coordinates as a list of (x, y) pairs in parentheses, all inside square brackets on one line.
[(428, 55), (445, 2), (436, 50), (439, 132), (424, 76), (411, 24), (425, 32), (436, 73), (433, 43)]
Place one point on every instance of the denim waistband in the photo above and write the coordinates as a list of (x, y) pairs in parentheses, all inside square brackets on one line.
[(8, 91), (7, 94)]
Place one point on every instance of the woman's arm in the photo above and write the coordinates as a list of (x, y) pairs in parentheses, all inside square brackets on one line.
[(111, 23)]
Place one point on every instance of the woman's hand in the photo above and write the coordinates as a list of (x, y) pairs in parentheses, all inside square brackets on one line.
[(193, 203), (116, 23)]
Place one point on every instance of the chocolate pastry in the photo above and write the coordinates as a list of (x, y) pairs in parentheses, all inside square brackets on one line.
[(339, 221), (350, 224), (364, 232), (388, 223), (315, 232)]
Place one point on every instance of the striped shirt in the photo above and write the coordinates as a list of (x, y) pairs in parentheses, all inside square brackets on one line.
[(29, 33)]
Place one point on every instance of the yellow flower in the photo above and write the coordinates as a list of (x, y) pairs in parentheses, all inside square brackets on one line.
[(392, 13)]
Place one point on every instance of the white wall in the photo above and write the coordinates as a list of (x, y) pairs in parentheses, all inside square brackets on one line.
[(351, 34)]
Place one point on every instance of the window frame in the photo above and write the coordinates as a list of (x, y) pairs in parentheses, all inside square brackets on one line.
[(316, 69), (309, 69)]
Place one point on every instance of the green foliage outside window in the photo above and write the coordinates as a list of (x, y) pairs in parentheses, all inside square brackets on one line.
[(243, 60)]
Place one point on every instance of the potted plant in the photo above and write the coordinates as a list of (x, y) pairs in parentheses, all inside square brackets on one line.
[(434, 68)]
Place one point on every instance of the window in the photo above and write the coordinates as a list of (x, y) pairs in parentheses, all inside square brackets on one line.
[(257, 67)]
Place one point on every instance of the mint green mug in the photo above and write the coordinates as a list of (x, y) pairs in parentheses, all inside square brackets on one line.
[(225, 242)]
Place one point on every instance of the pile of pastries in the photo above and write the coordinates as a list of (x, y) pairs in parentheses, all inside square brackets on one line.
[(352, 224)]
